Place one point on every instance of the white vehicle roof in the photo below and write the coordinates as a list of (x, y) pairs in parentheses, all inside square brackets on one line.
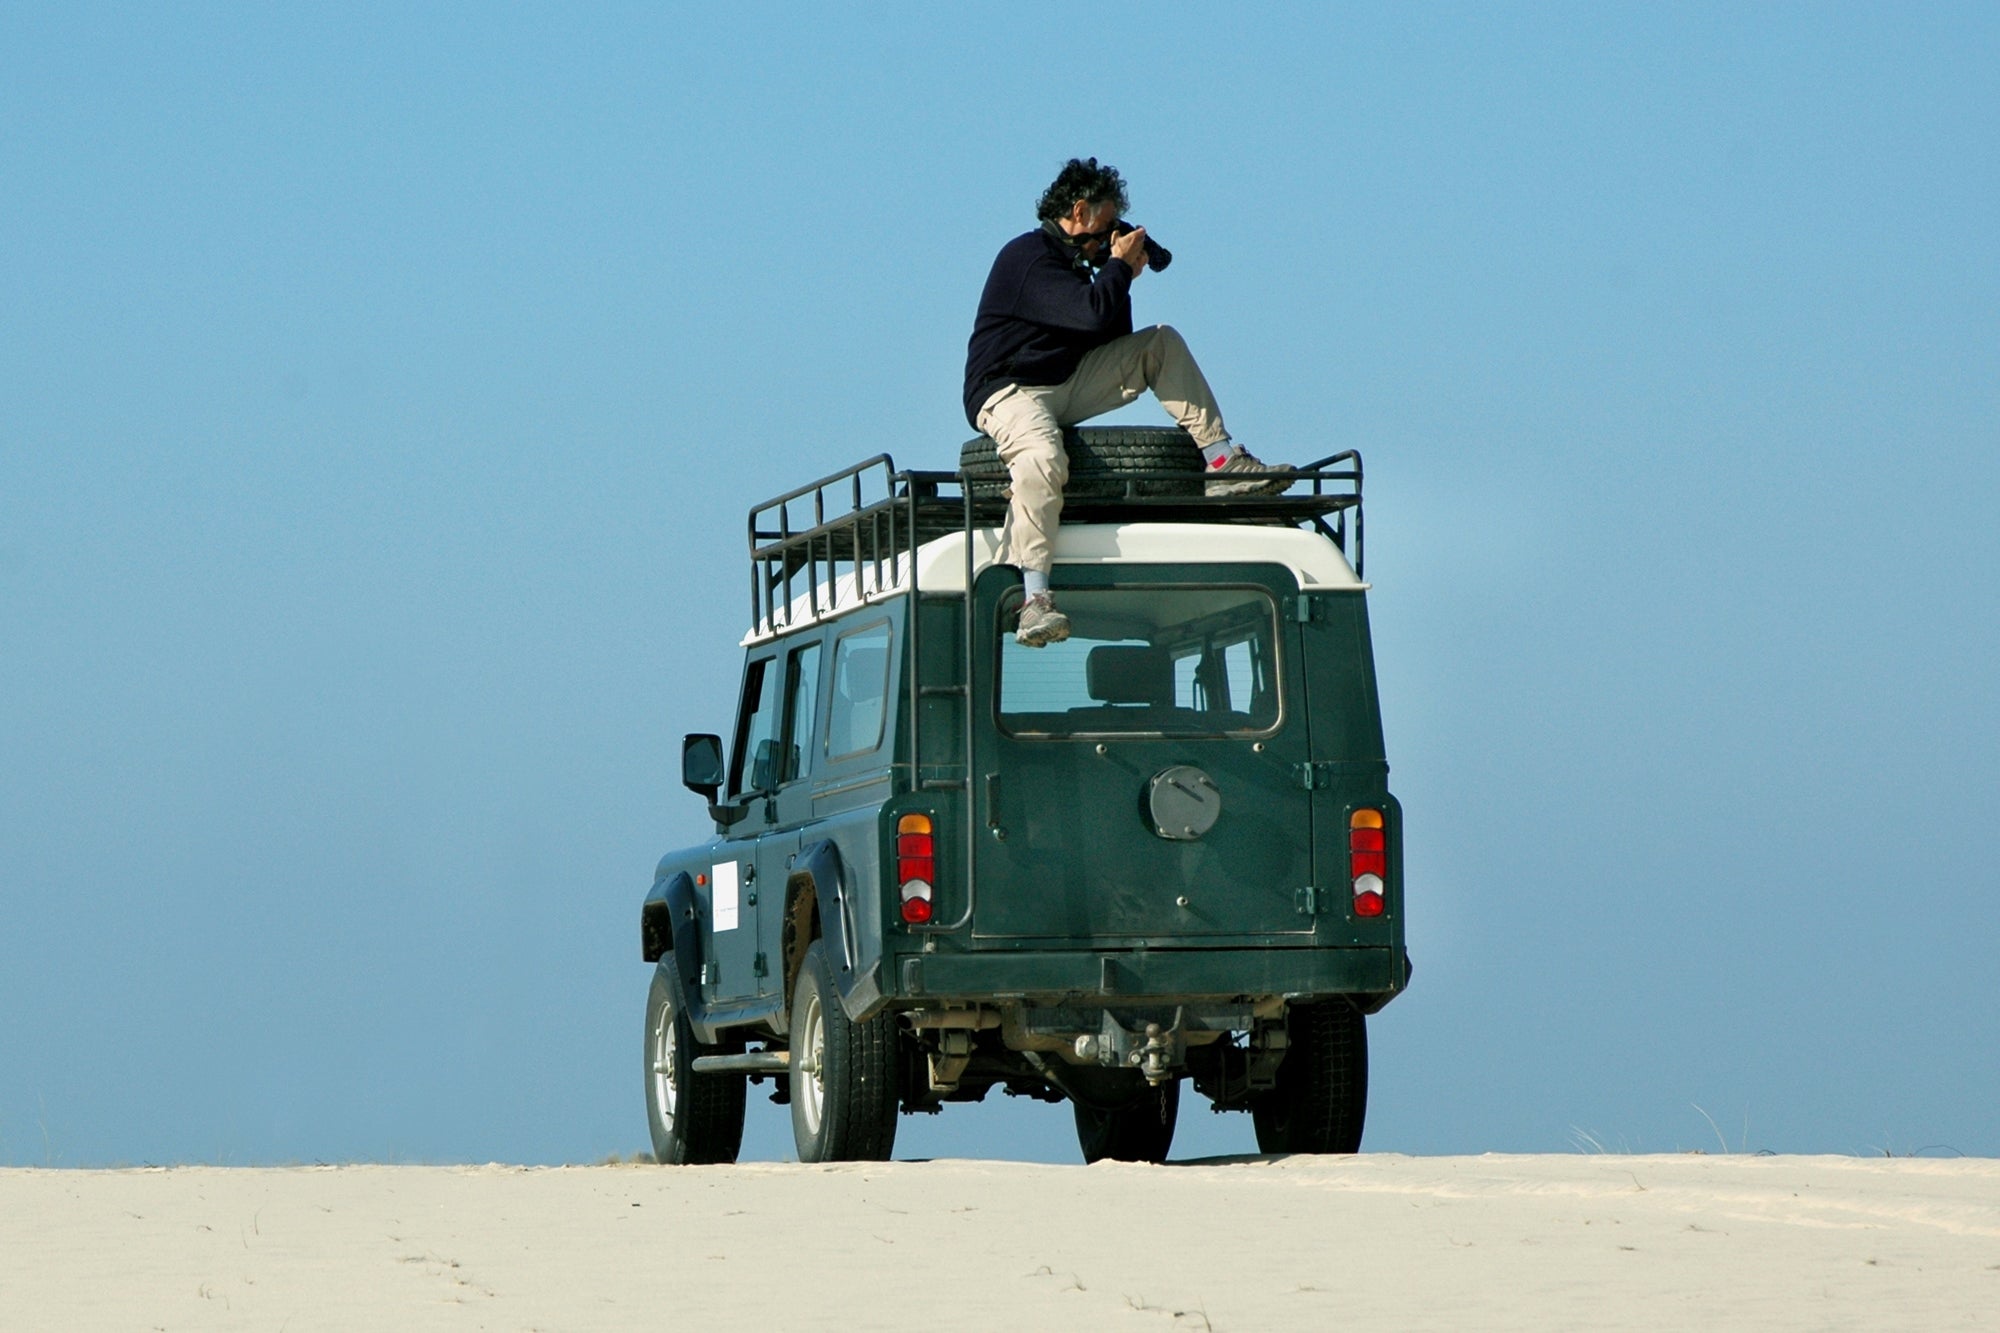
[(1314, 561)]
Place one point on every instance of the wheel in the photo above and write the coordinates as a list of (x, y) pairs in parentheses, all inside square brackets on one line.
[(1321, 1095), (696, 1119), (843, 1073), (1140, 1131), (1099, 456)]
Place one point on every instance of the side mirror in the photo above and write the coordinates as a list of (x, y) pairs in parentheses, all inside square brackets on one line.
[(701, 765)]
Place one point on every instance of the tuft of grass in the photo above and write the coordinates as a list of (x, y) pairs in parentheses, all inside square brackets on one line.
[(1717, 1128), (1742, 1142), (1590, 1145), (1586, 1142)]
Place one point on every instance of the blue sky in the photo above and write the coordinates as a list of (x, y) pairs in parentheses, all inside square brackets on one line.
[(381, 390)]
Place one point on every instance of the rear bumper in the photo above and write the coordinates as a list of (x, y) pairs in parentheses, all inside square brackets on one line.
[(1153, 975)]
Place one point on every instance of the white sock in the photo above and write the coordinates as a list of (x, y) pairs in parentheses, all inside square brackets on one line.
[(1215, 455), (1035, 582)]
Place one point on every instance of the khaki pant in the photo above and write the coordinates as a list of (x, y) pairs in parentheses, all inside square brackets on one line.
[(1027, 420)]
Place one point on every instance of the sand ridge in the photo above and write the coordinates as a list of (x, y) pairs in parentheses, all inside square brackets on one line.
[(1378, 1240)]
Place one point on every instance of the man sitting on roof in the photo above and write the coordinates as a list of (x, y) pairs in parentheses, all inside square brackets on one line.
[(1053, 345)]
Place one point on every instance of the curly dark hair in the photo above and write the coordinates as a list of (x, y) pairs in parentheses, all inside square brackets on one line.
[(1082, 178)]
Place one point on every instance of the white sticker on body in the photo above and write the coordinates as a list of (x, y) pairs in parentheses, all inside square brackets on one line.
[(723, 898)]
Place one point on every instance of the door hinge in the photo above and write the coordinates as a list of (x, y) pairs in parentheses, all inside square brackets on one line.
[(1322, 772), (710, 974), (1307, 900), (760, 967), (1305, 609)]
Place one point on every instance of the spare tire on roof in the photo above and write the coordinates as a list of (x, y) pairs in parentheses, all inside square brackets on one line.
[(1101, 458)]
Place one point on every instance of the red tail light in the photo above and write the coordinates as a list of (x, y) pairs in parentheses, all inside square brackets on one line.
[(1367, 860), (916, 866)]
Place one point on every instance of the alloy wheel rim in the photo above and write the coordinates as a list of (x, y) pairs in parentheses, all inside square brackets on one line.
[(811, 1089), (666, 1083)]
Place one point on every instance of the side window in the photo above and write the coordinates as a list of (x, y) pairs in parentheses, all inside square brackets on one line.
[(751, 767), (802, 685), (860, 691)]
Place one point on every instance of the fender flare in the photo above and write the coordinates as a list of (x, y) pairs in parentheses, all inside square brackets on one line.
[(858, 981), (667, 925), (821, 863)]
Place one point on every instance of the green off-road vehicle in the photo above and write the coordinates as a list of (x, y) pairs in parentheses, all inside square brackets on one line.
[(1162, 850)]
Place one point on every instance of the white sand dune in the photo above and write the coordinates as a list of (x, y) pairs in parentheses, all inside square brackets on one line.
[(1375, 1241)]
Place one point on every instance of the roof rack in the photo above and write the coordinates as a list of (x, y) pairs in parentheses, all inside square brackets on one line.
[(853, 534)]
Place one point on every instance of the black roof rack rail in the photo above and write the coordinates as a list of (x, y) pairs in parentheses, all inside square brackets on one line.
[(858, 529)]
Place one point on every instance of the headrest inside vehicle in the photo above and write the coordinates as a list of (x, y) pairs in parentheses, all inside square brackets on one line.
[(1117, 673)]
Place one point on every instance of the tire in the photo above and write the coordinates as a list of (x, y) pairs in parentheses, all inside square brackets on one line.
[(1141, 1131), (1099, 457), (696, 1119), (844, 1101), (1321, 1095)]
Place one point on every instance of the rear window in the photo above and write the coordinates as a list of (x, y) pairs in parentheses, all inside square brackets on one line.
[(1147, 660)]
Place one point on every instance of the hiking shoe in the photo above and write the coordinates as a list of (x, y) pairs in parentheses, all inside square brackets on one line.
[(1242, 474), (1040, 622)]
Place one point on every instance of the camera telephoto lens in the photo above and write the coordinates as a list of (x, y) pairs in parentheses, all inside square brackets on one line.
[(1157, 255)]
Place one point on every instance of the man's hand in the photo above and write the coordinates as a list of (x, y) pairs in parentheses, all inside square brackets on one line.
[(1130, 246)]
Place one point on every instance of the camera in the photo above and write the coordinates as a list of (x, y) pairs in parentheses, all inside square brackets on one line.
[(1157, 255)]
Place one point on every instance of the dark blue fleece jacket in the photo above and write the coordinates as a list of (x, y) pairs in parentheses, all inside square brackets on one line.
[(1041, 311)]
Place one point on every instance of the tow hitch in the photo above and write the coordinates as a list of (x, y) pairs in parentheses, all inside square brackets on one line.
[(1156, 1052)]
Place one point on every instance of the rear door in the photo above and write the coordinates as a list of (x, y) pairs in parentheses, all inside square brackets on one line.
[(1140, 783)]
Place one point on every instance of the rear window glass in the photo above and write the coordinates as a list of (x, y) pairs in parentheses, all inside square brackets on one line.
[(1148, 660)]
